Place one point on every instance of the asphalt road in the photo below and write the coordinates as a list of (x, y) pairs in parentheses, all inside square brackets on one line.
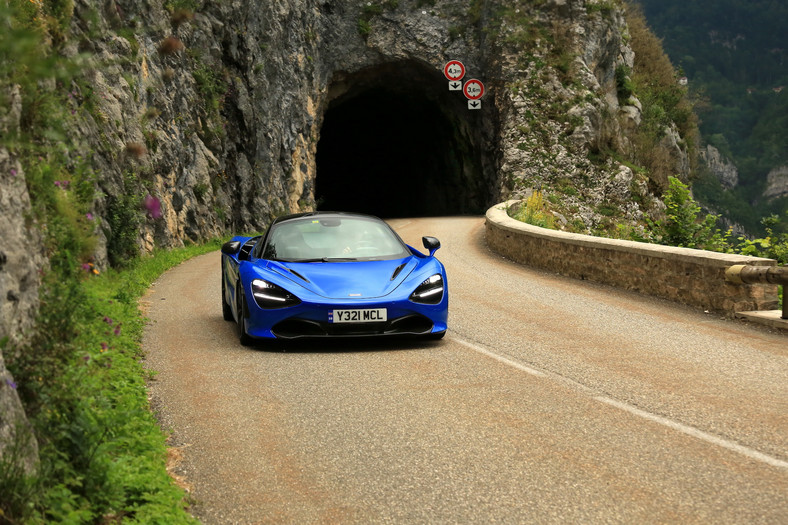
[(549, 400)]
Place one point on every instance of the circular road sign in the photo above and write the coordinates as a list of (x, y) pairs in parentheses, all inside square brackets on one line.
[(454, 70), (473, 89)]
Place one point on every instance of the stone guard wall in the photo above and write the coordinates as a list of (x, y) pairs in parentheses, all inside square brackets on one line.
[(692, 277)]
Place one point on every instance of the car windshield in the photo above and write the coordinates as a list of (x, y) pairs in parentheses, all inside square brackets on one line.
[(333, 239)]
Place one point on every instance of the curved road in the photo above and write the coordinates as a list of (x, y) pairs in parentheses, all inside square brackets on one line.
[(549, 400)]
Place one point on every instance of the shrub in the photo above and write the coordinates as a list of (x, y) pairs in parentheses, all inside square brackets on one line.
[(683, 225), (624, 87), (535, 212), (122, 228), (772, 245)]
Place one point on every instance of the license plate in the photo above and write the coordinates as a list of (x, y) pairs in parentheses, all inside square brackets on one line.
[(370, 315)]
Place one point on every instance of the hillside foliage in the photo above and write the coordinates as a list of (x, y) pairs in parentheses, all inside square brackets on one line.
[(734, 56), (654, 81)]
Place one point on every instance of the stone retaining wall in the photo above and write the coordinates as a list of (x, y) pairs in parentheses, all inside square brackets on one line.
[(688, 276)]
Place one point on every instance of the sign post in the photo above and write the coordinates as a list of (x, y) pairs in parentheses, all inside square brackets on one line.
[(454, 70)]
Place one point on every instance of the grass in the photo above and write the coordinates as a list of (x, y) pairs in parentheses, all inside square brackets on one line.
[(102, 453)]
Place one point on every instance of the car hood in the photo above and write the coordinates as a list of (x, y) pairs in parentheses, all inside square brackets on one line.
[(343, 280)]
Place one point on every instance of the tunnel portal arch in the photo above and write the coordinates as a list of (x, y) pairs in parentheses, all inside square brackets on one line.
[(395, 142)]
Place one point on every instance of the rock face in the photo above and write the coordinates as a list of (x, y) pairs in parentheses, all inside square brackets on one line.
[(20, 261), (777, 183), (231, 122), (220, 113), (724, 170)]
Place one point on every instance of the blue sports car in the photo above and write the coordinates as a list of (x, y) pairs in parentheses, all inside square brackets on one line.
[(329, 274)]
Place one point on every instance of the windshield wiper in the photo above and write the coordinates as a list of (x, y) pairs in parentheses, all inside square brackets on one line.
[(300, 260), (318, 259)]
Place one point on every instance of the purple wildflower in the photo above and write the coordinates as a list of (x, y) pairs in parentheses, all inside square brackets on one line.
[(107, 320), (89, 216), (13, 172), (153, 205), (10, 383)]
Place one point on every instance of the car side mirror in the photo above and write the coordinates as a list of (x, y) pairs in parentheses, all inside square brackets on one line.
[(231, 247), (431, 244)]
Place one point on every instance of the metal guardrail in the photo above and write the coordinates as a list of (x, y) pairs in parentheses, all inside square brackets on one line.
[(744, 274)]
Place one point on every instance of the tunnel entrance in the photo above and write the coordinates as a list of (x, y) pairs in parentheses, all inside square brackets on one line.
[(397, 143)]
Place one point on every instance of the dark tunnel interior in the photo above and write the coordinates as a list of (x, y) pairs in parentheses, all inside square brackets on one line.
[(397, 153)]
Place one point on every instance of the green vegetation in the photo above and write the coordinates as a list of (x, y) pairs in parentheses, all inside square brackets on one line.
[(102, 454), (369, 11), (534, 212), (733, 54), (187, 5), (654, 81), (122, 227), (684, 225), (82, 382), (772, 245), (601, 6), (210, 83)]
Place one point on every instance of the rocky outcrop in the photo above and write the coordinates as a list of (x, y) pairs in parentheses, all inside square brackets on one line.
[(21, 260), (723, 169), (777, 183), (225, 109), (553, 128), (218, 112)]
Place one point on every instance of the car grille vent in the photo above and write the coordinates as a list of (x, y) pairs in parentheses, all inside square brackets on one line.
[(298, 328), (397, 270)]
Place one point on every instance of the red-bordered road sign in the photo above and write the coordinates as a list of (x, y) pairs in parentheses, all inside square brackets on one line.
[(454, 70), (473, 89)]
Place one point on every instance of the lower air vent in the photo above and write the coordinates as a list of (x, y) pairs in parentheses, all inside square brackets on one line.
[(298, 328)]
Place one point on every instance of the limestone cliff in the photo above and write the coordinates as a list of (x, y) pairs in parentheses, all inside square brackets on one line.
[(21, 258), (723, 169), (777, 183), (218, 112)]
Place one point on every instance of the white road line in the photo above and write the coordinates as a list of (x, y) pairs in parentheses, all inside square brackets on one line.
[(685, 429), (699, 434), (502, 359)]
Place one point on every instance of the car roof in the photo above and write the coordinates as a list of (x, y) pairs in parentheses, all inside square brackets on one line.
[(323, 214)]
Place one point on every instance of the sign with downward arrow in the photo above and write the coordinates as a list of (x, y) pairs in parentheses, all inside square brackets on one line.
[(474, 90), (454, 70)]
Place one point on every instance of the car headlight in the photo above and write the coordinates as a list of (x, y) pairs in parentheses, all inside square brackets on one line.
[(268, 295), (430, 291)]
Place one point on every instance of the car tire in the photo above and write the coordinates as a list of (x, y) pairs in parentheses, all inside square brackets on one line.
[(227, 311), (243, 337)]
